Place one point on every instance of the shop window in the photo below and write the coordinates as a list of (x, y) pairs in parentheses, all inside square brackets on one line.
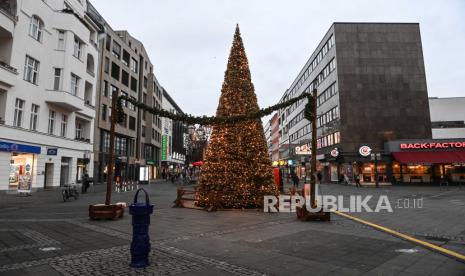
[(21, 171)]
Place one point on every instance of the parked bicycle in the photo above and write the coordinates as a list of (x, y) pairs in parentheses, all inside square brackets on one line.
[(68, 191)]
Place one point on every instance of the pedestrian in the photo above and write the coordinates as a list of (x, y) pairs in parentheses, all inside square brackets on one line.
[(163, 174), (319, 175), (295, 179), (85, 183), (357, 180)]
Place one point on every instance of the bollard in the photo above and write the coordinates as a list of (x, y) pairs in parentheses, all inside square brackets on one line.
[(140, 245)]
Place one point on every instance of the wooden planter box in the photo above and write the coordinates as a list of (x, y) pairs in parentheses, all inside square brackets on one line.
[(304, 215), (102, 211)]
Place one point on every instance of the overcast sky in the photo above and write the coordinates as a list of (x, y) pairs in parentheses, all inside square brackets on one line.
[(189, 41)]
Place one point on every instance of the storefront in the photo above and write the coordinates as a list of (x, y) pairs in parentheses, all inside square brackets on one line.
[(22, 165), (428, 161), (369, 165)]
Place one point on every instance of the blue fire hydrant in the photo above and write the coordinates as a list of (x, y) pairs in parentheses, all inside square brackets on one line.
[(140, 245)]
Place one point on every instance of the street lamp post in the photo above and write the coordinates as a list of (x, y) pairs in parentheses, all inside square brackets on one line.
[(314, 150), (111, 154)]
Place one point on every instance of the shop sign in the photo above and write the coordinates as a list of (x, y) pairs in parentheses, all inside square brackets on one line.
[(305, 149), (275, 163), (282, 163), (13, 147), (290, 162), (334, 153), (433, 145), (52, 151), (150, 162), (164, 148), (364, 151)]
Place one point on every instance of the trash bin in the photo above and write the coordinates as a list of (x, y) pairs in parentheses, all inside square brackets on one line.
[(140, 245)]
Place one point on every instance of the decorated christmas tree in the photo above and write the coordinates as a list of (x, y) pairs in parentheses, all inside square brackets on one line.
[(237, 171)]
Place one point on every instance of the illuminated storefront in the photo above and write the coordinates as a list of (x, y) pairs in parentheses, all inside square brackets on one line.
[(428, 161), (22, 165)]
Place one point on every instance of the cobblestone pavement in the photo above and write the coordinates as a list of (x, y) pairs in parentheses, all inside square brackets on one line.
[(41, 235)]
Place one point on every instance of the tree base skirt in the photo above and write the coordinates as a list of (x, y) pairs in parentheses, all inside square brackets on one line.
[(304, 215), (102, 211)]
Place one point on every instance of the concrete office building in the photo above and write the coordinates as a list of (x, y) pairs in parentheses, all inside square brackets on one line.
[(48, 67), (371, 87), (125, 69), (447, 117)]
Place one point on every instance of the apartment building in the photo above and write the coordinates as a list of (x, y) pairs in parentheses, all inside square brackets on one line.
[(48, 78), (125, 69), (371, 85)]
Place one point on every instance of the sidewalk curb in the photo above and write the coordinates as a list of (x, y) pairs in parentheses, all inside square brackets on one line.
[(427, 245)]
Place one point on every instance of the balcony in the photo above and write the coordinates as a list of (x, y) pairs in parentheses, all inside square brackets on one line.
[(8, 15), (8, 76), (64, 100)]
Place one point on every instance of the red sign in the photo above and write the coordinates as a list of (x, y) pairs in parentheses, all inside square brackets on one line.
[(433, 145)]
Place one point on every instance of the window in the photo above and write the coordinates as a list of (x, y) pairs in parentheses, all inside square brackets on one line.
[(114, 91), (115, 71), (61, 40), (19, 109), (126, 58), (34, 117), (124, 102), (143, 131), (104, 112), (145, 82), (31, 70), (107, 65), (105, 88), (116, 50), (79, 131), (51, 122), (108, 42), (57, 79), (64, 125), (133, 84), (134, 65), (132, 123), (77, 47), (125, 77), (35, 28), (74, 84)]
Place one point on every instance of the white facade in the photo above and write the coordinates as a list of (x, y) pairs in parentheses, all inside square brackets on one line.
[(48, 68), (267, 129), (447, 117), (167, 133)]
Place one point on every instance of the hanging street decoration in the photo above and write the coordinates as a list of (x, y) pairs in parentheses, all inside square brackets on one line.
[(207, 120)]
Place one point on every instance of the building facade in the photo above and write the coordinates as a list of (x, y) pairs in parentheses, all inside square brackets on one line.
[(447, 117), (48, 68), (275, 138), (371, 86), (174, 137), (125, 69), (267, 129)]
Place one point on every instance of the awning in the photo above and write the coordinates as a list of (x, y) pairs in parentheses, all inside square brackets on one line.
[(431, 157)]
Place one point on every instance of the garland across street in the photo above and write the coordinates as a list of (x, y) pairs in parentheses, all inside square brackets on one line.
[(209, 120)]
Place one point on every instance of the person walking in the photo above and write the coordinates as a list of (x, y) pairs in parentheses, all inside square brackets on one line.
[(295, 179), (319, 176), (85, 183), (357, 180)]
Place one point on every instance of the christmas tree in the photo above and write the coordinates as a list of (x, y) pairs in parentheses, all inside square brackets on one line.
[(237, 171)]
